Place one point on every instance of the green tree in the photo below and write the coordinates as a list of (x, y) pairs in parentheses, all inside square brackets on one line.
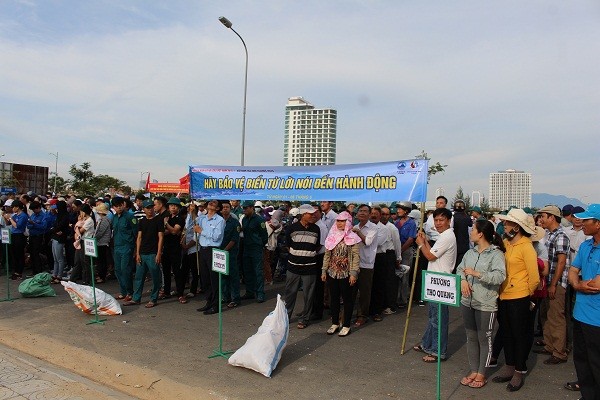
[(62, 185), (82, 176), (433, 168), (485, 205)]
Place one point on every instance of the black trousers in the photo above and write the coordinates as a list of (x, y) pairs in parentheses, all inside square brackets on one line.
[(391, 281), (513, 317), (101, 262), (212, 299), (190, 265), (318, 303), (586, 356), (378, 288), (18, 244), (36, 247), (339, 287), (171, 262)]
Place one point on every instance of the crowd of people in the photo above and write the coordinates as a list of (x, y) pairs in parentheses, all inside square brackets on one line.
[(523, 274)]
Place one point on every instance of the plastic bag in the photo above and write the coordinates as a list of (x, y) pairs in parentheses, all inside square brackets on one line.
[(37, 286), (83, 297), (262, 351)]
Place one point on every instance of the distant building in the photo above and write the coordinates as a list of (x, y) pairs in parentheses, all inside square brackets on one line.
[(22, 178), (510, 188), (310, 134)]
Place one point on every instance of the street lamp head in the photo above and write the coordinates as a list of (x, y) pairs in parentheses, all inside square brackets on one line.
[(225, 22)]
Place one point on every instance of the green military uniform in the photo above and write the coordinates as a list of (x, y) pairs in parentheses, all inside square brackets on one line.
[(124, 235), (231, 282), (255, 238)]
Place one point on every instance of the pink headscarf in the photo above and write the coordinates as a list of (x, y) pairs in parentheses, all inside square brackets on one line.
[(335, 235)]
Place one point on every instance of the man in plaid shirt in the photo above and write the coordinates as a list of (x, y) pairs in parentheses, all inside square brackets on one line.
[(555, 327)]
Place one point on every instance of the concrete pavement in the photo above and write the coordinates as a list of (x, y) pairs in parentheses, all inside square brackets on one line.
[(163, 353)]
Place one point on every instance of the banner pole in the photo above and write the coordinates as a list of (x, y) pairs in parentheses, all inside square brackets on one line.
[(412, 286), (93, 275), (439, 352), (8, 298)]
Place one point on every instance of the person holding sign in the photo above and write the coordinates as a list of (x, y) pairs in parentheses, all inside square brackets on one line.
[(441, 257), (481, 271), (340, 270), (514, 308)]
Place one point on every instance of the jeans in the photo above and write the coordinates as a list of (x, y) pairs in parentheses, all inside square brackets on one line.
[(59, 258), (148, 264), (429, 342), (123, 258)]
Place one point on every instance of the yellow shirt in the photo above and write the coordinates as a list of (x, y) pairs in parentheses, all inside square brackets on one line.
[(522, 277)]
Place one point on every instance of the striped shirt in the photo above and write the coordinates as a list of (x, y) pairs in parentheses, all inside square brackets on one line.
[(557, 243), (304, 243)]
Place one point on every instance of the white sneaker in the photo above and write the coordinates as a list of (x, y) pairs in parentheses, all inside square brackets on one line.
[(344, 332), (389, 311), (190, 295), (332, 329)]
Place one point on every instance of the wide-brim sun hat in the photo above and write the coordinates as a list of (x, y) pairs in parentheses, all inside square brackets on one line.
[(519, 217), (101, 209)]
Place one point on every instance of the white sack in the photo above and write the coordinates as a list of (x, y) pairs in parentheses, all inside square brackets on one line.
[(83, 297)]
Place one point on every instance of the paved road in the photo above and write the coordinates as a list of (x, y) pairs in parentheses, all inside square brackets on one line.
[(26, 377), (163, 353)]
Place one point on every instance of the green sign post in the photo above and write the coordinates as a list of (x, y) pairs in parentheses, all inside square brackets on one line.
[(443, 289), (91, 249), (6, 239), (220, 264)]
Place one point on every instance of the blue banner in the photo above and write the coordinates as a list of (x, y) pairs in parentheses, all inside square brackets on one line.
[(404, 180)]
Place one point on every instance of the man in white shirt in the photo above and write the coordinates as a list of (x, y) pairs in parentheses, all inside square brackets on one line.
[(394, 257), (367, 231), (381, 265), (328, 215), (441, 257)]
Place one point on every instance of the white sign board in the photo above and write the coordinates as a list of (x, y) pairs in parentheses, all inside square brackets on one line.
[(441, 288), (6, 236), (220, 261), (89, 247)]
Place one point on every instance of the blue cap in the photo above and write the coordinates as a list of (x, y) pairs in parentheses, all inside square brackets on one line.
[(593, 212)]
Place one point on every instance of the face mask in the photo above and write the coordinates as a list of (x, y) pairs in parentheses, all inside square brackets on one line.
[(509, 235)]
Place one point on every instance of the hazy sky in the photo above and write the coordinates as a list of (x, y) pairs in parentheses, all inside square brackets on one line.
[(134, 86)]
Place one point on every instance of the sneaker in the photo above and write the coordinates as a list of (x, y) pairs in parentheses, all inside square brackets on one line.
[(344, 332), (389, 311), (332, 329), (190, 295)]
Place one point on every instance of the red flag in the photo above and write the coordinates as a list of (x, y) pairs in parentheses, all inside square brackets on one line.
[(148, 182)]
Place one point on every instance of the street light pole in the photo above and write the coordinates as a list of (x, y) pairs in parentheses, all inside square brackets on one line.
[(228, 25), (55, 170)]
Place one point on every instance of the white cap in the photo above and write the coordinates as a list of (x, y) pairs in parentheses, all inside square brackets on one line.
[(259, 204), (294, 212), (8, 202), (306, 208), (415, 214)]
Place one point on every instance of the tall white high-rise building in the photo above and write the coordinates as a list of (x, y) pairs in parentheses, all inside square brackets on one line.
[(510, 188), (309, 134)]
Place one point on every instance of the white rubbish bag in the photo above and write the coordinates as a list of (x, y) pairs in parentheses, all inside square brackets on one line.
[(83, 297), (262, 351)]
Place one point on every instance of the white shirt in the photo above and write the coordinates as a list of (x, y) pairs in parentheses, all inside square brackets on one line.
[(445, 251), (384, 238), (396, 244), (368, 248), (429, 228)]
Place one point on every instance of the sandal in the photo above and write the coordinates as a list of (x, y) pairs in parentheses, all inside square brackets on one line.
[(432, 358), (302, 325), (477, 384), (466, 381), (119, 297), (419, 348), (151, 304), (574, 386), (131, 303), (233, 304), (377, 318), (344, 332), (182, 300)]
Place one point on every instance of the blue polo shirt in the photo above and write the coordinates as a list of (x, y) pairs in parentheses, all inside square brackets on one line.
[(587, 306), (37, 224), (407, 230), (21, 220)]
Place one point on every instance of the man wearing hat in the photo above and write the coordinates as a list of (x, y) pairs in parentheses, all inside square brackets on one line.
[(124, 226), (555, 327), (476, 213), (584, 277), (255, 238), (304, 241)]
